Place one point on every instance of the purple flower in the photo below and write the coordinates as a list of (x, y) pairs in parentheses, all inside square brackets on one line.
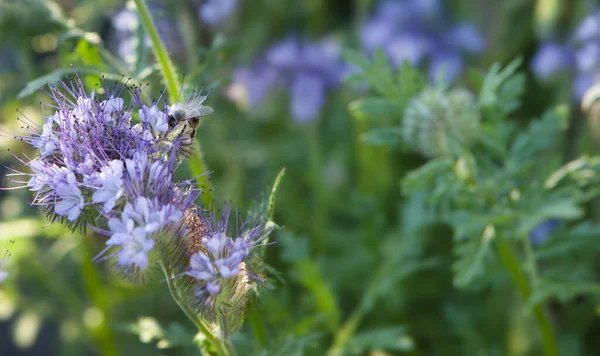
[(96, 169), (465, 37), (412, 31), (589, 28), (223, 265), (133, 242), (251, 85), (216, 12), (110, 179), (587, 58), (579, 56), (411, 47), (540, 233), (307, 96), (71, 200), (550, 59), (445, 66), (308, 70)]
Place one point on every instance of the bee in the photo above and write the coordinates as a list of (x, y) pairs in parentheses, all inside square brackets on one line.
[(184, 119)]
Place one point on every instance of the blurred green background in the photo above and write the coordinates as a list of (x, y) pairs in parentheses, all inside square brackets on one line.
[(353, 248)]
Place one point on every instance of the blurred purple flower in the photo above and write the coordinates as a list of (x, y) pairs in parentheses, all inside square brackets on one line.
[(308, 70), (307, 96), (412, 31), (445, 66), (587, 58), (579, 56), (540, 233), (465, 37), (550, 59), (589, 28), (216, 12), (582, 83)]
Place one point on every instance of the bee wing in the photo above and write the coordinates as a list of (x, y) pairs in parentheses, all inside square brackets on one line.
[(204, 110), (195, 108)]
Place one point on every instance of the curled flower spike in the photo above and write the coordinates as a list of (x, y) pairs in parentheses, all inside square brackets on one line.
[(4, 260), (109, 165), (219, 267)]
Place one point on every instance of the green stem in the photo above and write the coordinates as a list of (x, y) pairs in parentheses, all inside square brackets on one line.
[(160, 51), (222, 348), (169, 74), (520, 280), (320, 194), (96, 291), (345, 332)]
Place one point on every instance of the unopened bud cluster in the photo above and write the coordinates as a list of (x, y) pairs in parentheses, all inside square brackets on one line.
[(438, 122)]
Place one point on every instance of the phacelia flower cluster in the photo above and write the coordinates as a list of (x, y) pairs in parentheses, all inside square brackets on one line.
[(577, 56), (110, 166), (307, 70), (222, 266), (417, 32)]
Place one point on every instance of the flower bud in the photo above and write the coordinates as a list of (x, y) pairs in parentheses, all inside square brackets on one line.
[(439, 123)]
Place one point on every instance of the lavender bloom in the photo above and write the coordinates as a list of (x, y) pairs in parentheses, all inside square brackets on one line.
[(4, 260), (133, 241), (579, 56), (411, 31), (220, 265), (540, 233), (111, 181), (550, 59), (216, 12), (96, 168), (124, 39), (71, 202), (308, 70)]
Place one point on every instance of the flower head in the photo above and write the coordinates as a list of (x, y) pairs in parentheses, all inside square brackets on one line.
[(411, 31), (101, 166), (220, 266), (308, 70)]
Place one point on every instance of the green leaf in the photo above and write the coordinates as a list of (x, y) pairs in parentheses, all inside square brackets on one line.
[(356, 58), (491, 94), (386, 338), (423, 177), (391, 136), (265, 207), (309, 275), (541, 135), (149, 329), (374, 108), (472, 256), (56, 76)]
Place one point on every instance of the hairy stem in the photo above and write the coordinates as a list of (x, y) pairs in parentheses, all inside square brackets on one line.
[(519, 278), (222, 348), (169, 74)]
